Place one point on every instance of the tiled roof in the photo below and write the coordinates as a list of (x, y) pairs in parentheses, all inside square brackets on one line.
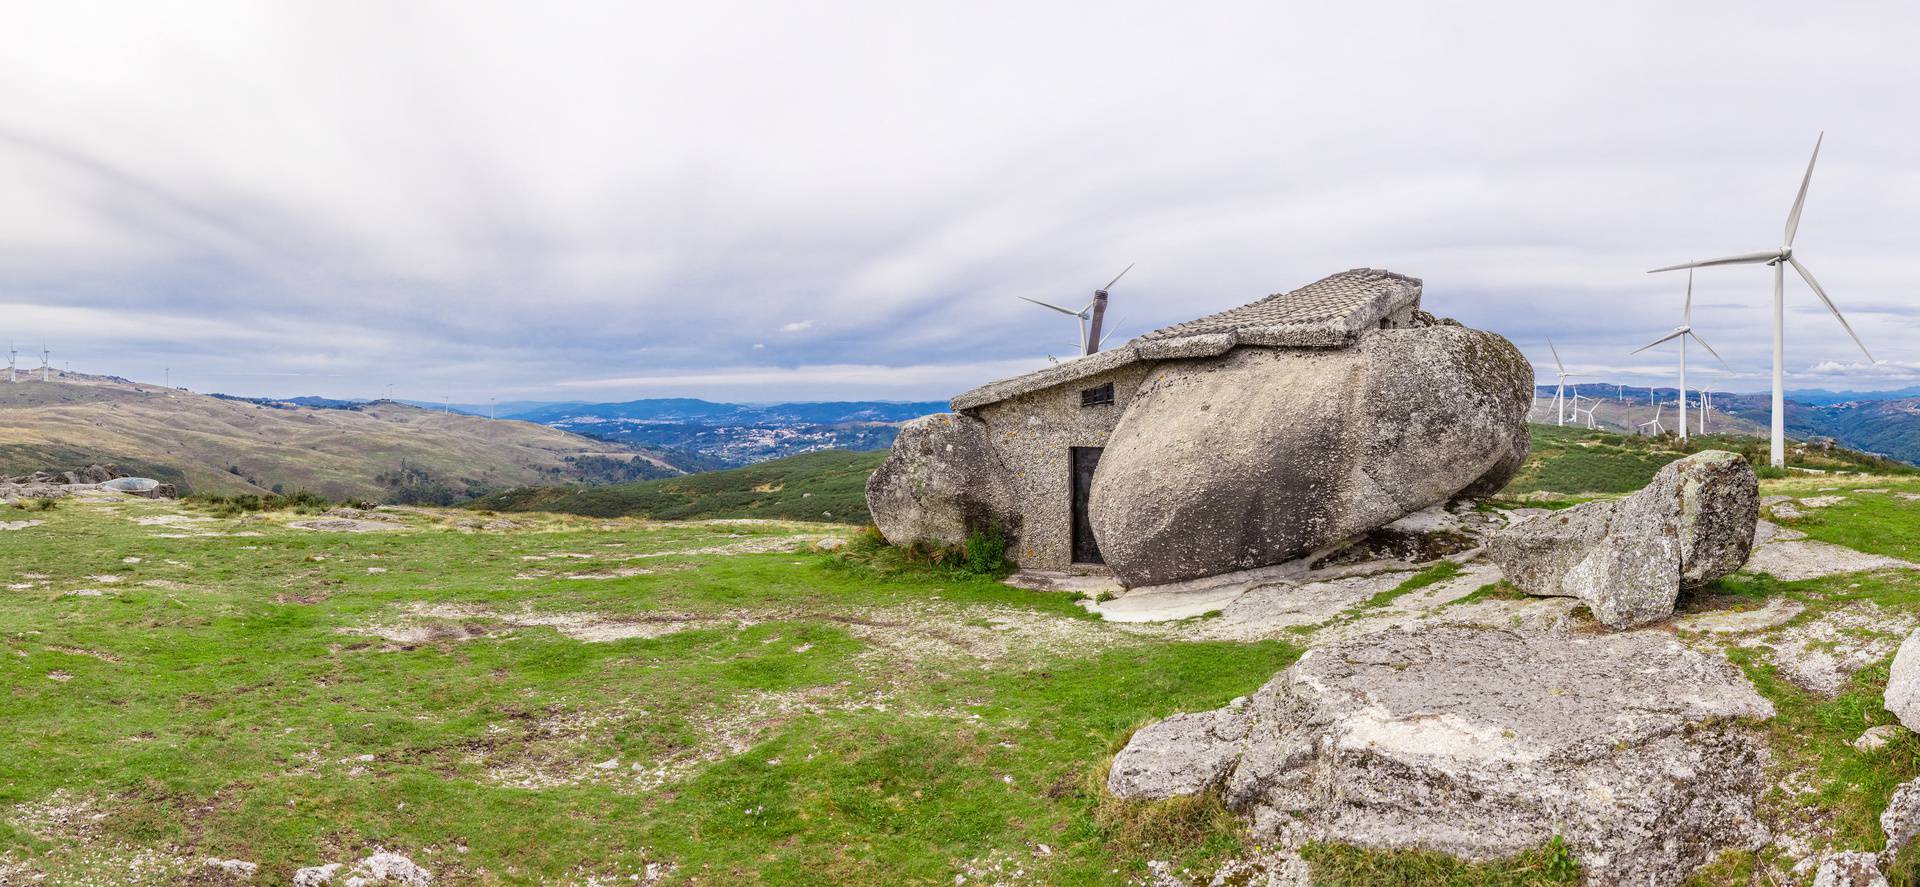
[(1328, 313)]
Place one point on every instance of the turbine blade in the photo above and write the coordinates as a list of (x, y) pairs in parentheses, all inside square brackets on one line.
[(1687, 313), (1666, 338), (1556, 357), (1800, 200), (1716, 354), (1054, 307), (1746, 259), (1116, 277), (1808, 277)]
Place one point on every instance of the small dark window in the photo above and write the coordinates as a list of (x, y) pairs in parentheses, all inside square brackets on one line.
[(1093, 397)]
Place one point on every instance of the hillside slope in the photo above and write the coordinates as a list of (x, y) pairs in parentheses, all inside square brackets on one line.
[(1576, 460), (205, 444), (829, 485)]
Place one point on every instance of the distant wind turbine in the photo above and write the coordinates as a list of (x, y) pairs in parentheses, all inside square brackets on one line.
[(1683, 332), (1653, 425), (13, 356), (1091, 315), (1560, 393), (45, 366), (1779, 259)]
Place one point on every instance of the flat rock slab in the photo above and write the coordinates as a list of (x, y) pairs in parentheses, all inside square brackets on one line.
[(1051, 580), (1481, 743), (1806, 559), (1773, 614), (1821, 655)]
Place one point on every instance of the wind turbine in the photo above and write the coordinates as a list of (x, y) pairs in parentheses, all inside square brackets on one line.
[(1657, 428), (1560, 393), (45, 367), (1091, 315), (1706, 406), (13, 355), (1593, 403), (1683, 332), (1779, 259)]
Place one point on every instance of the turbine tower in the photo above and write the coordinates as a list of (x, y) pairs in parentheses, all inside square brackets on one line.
[(1091, 315), (1779, 259), (13, 356), (1560, 393), (45, 366), (1683, 332)]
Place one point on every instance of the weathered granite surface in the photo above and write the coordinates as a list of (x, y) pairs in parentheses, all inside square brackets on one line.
[(1628, 559), (941, 480), (1480, 743), (1262, 455)]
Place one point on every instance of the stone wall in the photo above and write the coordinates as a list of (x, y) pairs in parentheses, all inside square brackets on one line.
[(1034, 434)]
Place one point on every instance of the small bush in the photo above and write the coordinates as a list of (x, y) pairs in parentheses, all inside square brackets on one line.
[(300, 501), (47, 504), (986, 552)]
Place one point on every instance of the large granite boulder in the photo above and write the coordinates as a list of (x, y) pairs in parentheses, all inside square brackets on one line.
[(1262, 455), (1903, 683), (941, 481), (1628, 559), (1481, 743)]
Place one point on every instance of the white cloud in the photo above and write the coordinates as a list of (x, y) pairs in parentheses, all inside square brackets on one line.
[(461, 193)]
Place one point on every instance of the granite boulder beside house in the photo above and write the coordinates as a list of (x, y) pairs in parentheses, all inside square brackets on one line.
[(1242, 439)]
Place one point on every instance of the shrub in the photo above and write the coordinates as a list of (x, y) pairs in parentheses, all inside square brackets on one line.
[(986, 552), (300, 501)]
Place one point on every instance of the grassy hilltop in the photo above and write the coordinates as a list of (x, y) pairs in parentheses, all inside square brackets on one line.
[(221, 445), (549, 699)]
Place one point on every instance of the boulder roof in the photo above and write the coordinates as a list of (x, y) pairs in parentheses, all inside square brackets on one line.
[(1328, 313)]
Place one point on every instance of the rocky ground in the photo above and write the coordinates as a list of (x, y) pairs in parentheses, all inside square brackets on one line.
[(400, 694)]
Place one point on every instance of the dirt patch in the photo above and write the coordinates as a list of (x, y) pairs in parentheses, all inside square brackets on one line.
[(19, 524), (545, 752), (616, 573), (345, 525), (81, 852), (433, 623), (171, 520)]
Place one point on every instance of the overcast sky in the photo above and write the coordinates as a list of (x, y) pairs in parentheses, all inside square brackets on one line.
[(758, 201)]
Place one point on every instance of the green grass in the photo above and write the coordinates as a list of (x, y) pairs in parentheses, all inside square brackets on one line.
[(882, 739), (829, 485), (1439, 572), (1336, 865), (1882, 523)]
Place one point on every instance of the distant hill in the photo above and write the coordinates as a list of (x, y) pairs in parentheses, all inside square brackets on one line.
[(722, 435), (1577, 460), (827, 486), (1879, 423), (687, 410), (379, 451)]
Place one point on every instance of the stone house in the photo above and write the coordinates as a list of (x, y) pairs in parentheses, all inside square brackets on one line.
[(1035, 454)]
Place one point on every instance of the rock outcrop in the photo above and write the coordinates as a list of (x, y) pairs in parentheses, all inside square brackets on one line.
[(941, 481), (1903, 683), (1628, 559), (1482, 743), (1261, 455)]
